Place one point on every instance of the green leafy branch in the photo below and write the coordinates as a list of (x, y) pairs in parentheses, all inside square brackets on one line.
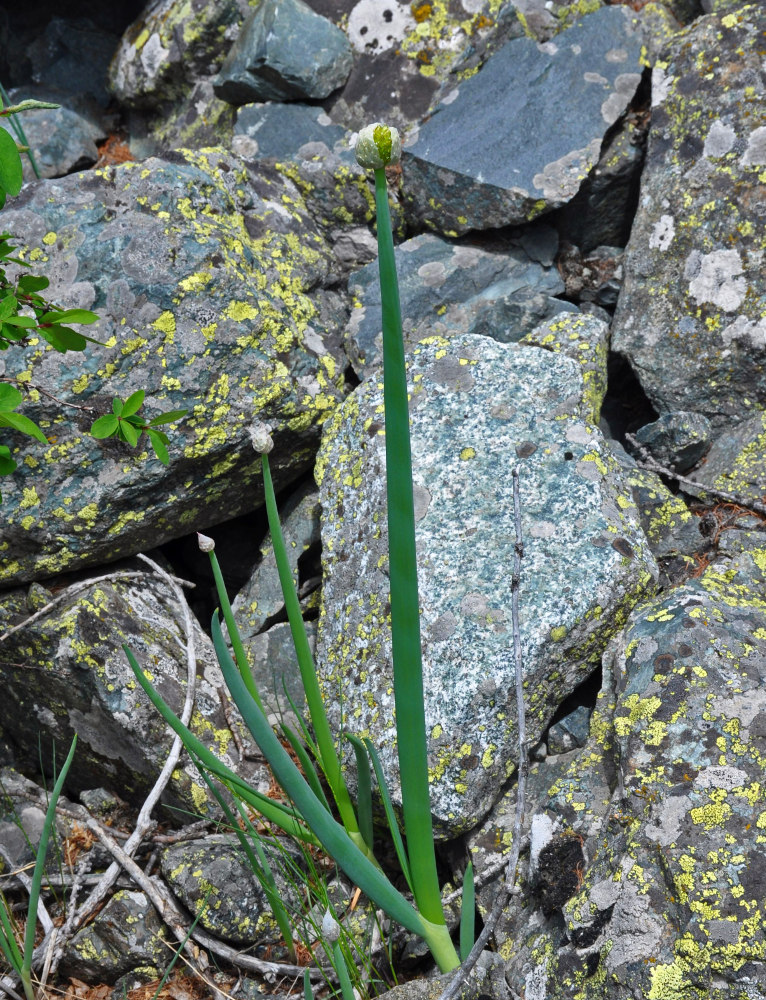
[(125, 424)]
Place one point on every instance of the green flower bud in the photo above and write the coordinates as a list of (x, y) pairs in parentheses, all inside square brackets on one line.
[(378, 146)]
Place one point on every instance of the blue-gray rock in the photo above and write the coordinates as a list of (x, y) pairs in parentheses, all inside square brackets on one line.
[(127, 934), (735, 462), (284, 52), (479, 408), (208, 274), (569, 733), (72, 55), (447, 289), (280, 130), (67, 673), (690, 315), (511, 142), (61, 141), (677, 440)]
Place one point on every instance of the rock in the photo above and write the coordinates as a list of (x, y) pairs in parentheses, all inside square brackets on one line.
[(593, 277), (677, 440), (479, 409), (208, 275), (569, 733), (68, 673), (60, 140), (735, 460), (72, 55), (479, 164), (215, 881), (280, 130), (448, 289), (486, 979), (690, 316), (670, 527), (125, 935), (284, 52)]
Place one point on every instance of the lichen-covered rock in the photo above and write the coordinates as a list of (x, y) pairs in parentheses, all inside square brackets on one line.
[(671, 905), (735, 462), (125, 935), (60, 139), (478, 409), (208, 275), (677, 440), (280, 130), (284, 52), (671, 529), (67, 673), (480, 162), (690, 316), (215, 881), (448, 289)]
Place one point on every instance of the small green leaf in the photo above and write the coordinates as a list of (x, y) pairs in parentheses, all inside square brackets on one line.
[(8, 307), (28, 283), (69, 316), (133, 403), (11, 176), (128, 433), (159, 445), (62, 338), (21, 423), (10, 397), (7, 464), (12, 332), (105, 426), (26, 322), (167, 418)]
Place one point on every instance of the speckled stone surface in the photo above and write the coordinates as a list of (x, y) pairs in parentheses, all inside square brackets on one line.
[(447, 289), (208, 276), (67, 672), (690, 316), (284, 52), (480, 163), (735, 462), (677, 440), (478, 409), (671, 898)]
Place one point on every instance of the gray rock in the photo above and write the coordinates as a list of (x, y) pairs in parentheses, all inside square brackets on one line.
[(66, 673), (677, 440), (735, 461), (690, 316), (480, 163), (486, 979), (479, 409), (210, 291), (284, 52), (61, 142), (448, 289), (127, 934), (72, 55), (280, 130), (569, 733), (214, 880), (670, 527)]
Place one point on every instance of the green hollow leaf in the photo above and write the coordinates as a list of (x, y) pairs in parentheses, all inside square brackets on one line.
[(167, 418), (21, 423), (11, 176), (8, 938), (388, 808), (105, 426), (133, 403), (10, 397), (159, 445), (363, 790), (467, 914), (305, 761)]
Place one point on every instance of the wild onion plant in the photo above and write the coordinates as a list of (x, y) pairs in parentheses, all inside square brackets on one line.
[(20, 958), (311, 817)]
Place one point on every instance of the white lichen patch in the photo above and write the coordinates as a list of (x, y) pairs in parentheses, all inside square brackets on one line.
[(374, 26), (719, 140), (663, 232), (716, 278)]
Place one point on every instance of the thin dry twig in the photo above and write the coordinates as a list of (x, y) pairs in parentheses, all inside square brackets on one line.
[(652, 465), (507, 891), (75, 588), (144, 821)]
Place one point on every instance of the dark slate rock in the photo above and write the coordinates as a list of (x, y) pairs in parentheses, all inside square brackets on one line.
[(735, 462), (127, 934), (280, 130), (677, 440), (213, 879), (447, 289), (284, 52), (480, 163), (479, 409), (73, 55), (670, 527), (569, 733), (690, 316), (61, 141), (169, 46), (200, 266), (67, 673)]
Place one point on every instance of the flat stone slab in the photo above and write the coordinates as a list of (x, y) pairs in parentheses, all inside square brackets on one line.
[(509, 143), (690, 318), (479, 408)]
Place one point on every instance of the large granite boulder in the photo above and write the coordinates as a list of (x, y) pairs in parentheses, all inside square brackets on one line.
[(479, 408), (690, 316), (499, 150), (208, 276)]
